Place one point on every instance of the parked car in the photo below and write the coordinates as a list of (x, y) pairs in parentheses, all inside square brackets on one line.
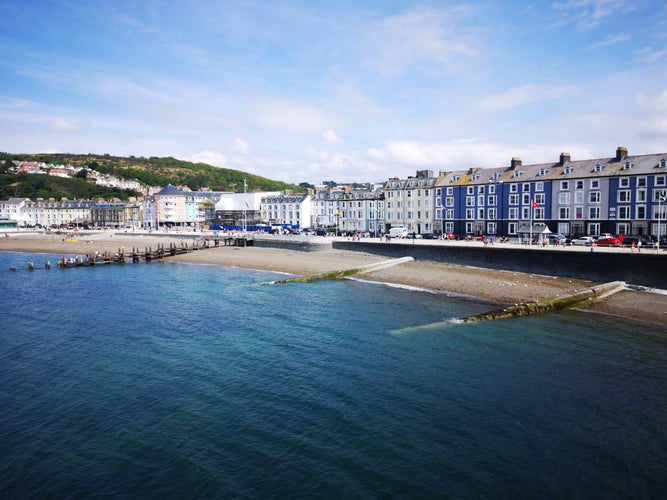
[(556, 239), (320, 231), (629, 240), (609, 241), (583, 241)]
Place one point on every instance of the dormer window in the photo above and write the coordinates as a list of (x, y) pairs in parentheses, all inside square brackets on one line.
[(598, 167), (627, 165), (542, 172), (475, 177), (663, 163), (517, 173), (568, 170)]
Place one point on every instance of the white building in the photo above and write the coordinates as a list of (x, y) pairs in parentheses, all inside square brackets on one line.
[(287, 209)]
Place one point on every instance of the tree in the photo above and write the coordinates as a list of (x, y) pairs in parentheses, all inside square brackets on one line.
[(6, 167), (82, 174)]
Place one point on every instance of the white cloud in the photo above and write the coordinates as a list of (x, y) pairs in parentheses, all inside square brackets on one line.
[(290, 115), (523, 95), (649, 55), (241, 146), (211, 158), (589, 13), (423, 35), (64, 125), (330, 136)]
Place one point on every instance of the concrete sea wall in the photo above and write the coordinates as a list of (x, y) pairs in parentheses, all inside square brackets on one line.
[(647, 269)]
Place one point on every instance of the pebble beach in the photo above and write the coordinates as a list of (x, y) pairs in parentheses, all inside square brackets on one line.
[(493, 286)]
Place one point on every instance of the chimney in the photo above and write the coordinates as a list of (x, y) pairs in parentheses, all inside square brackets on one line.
[(621, 153), (564, 158), (516, 162)]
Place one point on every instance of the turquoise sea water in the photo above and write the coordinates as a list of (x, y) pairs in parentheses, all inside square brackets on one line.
[(180, 381)]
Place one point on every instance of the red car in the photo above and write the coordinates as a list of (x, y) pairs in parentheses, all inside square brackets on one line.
[(609, 241)]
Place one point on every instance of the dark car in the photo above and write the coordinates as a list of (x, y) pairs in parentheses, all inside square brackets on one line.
[(630, 241), (320, 231)]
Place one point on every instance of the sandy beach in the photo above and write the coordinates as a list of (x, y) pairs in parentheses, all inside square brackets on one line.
[(493, 286)]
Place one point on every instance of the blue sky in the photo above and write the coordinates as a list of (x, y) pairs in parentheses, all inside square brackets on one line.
[(337, 90)]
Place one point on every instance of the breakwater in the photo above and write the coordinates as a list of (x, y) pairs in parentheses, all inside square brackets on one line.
[(647, 269)]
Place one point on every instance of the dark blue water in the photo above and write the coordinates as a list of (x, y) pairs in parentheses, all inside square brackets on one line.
[(174, 380)]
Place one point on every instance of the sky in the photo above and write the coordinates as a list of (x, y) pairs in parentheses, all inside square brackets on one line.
[(349, 91)]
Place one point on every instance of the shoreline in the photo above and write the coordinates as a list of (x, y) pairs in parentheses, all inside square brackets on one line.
[(495, 287)]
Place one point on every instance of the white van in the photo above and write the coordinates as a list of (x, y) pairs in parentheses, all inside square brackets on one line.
[(398, 232)]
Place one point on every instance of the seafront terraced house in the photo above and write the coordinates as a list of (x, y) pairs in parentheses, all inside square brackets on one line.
[(173, 206), (291, 210), (410, 203), (621, 194), (362, 210)]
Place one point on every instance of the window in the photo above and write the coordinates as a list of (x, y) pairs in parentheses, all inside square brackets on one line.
[(511, 228), (513, 213), (564, 213), (579, 185), (624, 197), (539, 186), (564, 185), (525, 187), (480, 189), (598, 168), (594, 212), (578, 196), (627, 165), (492, 213), (624, 182), (540, 198), (480, 200), (514, 188), (450, 191), (438, 192), (492, 200), (480, 213), (470, 201), (578, 212), (449, 214), (624, 212), (595, 184), (526, 198), (449, 201), (641, 181), (568, 170), (470, 190), (640, 212), (514, 199), (660, 180), (525, 212), (470, 213), (641, 195), (564, 198), (594, 197)]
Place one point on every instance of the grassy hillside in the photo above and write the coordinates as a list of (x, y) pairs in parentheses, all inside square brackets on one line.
[(152, 171)]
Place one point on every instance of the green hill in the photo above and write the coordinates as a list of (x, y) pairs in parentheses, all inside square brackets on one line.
[(151, 171)]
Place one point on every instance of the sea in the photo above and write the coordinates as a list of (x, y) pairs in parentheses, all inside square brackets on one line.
[(174, 380)]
